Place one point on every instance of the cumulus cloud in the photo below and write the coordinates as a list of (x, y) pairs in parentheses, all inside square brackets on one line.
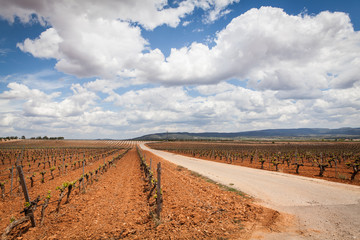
[(35, 111), (218, 9), (299, 70), (38, 103), (266, 46), (226, 107), (89, 47), (92, 39), (221, 107), (272, 50), (46, 46), (21, 92), (149, 14)]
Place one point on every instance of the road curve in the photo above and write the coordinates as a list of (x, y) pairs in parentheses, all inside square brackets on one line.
[(324, 210)]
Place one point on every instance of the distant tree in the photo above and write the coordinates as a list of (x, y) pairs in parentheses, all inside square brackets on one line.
[(39, 137), (45, 137), (23, 137)]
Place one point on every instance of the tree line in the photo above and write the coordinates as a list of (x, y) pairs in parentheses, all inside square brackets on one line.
[(37, 138)]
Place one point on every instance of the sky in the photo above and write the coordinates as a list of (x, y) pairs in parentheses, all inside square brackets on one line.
[(90, 69)]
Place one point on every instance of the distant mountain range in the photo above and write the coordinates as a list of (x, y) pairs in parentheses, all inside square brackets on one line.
[(307, 133)]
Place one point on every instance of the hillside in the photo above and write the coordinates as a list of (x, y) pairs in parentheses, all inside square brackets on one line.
[(315, 133)]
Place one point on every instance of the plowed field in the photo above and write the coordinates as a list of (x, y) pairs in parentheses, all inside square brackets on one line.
[(115, 206)]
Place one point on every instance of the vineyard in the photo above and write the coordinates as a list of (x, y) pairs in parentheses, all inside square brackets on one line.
[(34, 178), (331, 161), (110, 189)]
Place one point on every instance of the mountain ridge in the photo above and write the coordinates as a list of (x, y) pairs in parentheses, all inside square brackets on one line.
[(345, 132)]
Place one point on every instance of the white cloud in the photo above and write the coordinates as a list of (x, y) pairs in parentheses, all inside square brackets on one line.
[(38, 103), (225, 107), (270, 48), (46, 46), (222, 87), (185, 23), (266, 46), (218, 9), (148, 13), (89, 47), (45, 80), (22, 92), (90, 39), (105, 85), (303, 71), (221, 107), (4, 52)]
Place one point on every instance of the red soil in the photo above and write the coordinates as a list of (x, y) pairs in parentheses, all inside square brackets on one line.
[(308, 170), (116, 207)]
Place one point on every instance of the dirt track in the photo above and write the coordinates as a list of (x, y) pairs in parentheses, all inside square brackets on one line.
[(324, 210)]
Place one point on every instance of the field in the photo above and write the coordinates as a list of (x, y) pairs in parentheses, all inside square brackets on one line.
[(98, 190), (331, 161)]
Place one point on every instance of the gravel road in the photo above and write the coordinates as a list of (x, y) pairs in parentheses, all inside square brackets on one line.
[(323, 209)]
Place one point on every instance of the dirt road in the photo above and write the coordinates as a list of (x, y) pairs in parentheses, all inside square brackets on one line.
[(324, 210)]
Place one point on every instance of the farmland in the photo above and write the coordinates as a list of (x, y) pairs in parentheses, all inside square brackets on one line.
[(332, 161), (97, 189), (322, 209)]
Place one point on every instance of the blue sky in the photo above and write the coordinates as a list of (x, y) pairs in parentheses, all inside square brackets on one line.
[(121, 69)]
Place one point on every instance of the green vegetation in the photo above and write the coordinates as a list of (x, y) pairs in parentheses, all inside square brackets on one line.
[(222, 186)]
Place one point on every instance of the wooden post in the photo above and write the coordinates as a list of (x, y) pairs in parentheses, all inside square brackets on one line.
[(26, 193), (83, 174), (335, 161), (12, 179), (158, 191), (321, 157)]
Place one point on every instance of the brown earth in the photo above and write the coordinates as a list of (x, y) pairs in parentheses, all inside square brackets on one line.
[(340, 174), (196, 208), (64, 143), (115, 207)]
